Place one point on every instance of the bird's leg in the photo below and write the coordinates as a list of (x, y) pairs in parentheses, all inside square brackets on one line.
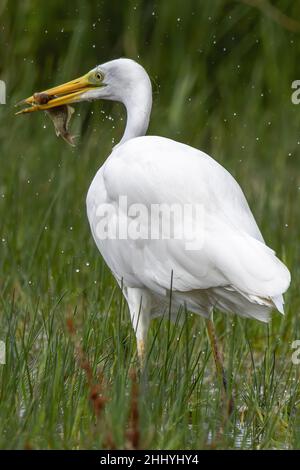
[(216, 353), (228, 401), (139, 306), (141, 348), (141, 333)]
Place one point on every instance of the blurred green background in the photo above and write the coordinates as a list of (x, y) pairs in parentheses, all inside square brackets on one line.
[(221, 73)]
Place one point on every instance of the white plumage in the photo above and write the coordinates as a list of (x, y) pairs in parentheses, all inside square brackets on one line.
[(234, 270), (230, 268)]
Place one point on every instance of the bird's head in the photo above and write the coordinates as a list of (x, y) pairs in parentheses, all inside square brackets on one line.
[(117, 80)]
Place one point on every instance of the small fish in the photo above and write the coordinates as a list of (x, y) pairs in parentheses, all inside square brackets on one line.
[(60, 116)]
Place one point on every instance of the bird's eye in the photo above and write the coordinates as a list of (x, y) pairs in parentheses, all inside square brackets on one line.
[(98, 76)]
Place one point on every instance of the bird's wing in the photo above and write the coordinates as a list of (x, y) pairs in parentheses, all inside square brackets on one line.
[(155, 170)]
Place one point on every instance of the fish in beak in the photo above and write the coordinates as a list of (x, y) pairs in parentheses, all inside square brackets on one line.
[(67, 93), (55, 102)]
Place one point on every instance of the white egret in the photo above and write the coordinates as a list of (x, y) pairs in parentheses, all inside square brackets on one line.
[(231, 269)]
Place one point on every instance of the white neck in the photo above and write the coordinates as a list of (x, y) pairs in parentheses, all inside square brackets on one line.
[(138, 103), (127, 82)]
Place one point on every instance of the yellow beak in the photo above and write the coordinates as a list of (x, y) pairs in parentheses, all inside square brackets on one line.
[(67, 93)]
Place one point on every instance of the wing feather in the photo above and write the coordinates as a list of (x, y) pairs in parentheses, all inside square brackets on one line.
[(155, 170)]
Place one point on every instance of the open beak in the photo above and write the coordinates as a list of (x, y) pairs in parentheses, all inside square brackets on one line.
[(67, 93)]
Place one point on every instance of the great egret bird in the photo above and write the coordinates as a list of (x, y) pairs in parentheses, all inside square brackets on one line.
[(231, 268)]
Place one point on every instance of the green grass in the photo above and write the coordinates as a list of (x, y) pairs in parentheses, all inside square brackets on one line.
[(233, 103)]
